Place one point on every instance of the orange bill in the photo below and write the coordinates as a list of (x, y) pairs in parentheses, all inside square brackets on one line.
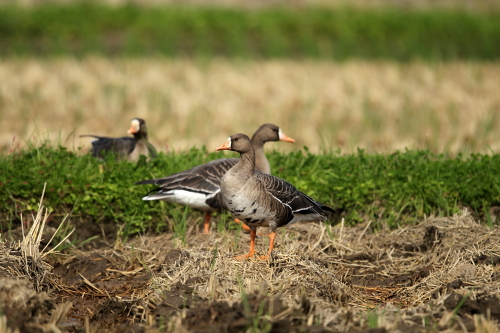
[(225, 146), (132, 130), (285, 138)]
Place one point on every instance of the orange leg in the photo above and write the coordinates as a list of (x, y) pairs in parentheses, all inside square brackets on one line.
[(243, 225), (252, 247), (206, 223), (272, 237)]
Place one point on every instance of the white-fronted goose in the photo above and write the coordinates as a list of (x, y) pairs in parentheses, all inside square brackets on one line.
[(125, 147), (262, 200), (199, 187)]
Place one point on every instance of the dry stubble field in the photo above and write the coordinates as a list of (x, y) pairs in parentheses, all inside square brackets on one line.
[(379, 106), (440, 276)]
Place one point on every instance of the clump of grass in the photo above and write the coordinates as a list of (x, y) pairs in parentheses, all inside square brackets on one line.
[(180, 217), (485, 325), (30, 261), (372, 318)]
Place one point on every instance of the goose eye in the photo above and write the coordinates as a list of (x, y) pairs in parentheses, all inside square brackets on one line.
[(236, 139)]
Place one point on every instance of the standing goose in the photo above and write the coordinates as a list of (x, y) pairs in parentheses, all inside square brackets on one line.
[(125, 147), (199, 187), (262, 200)]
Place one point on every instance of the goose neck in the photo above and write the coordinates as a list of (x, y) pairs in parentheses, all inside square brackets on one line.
[(141, 135), (247, 162)]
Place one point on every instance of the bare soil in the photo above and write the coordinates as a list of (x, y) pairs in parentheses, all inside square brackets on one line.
[(441, 275)]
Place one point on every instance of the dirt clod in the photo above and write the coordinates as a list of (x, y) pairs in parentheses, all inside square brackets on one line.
[(432, 237), (112, 313), (253, 311), (483, 304), (27, 310), (88, 266)]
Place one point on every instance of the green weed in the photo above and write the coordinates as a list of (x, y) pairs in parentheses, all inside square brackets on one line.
[(461, 303), (244, 296), (62, 238), (202, 32), (257, 323), (180, 216), (396, 189), (372, 318)]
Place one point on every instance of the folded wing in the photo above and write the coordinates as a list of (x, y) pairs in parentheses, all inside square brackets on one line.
[(205, 178), (298, 202)]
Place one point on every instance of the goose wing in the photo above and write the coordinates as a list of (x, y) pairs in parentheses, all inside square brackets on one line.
[(122, 146), (289, 196), (205, 178)]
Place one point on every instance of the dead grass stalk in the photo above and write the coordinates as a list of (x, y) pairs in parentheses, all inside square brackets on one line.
[(24, 258)]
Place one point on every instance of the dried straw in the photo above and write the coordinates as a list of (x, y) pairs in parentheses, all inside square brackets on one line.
[(24, 258)]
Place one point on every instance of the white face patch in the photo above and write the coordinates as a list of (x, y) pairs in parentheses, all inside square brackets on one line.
[(280, 134), (230, 142), (135, 124)]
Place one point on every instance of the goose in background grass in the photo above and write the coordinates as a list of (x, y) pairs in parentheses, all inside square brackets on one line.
[(199, 187), (128, 148), (262, 200)]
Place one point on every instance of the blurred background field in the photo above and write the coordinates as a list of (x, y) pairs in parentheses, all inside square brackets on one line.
[(269, 32), (379, 106), (380, 75), (470, 5)]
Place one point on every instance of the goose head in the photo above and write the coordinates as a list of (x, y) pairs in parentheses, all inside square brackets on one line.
[(237, 142), (138, 128), (270, 132)]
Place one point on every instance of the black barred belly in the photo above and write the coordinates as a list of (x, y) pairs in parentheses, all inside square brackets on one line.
[(248, 211)]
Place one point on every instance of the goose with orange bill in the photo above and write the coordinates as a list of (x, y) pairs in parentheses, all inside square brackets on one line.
[(262, 200)]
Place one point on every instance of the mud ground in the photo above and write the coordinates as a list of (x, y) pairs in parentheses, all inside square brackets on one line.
[(442, 275)]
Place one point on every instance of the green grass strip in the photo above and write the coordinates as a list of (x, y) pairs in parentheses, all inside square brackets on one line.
[(396, 189), (321, 33)]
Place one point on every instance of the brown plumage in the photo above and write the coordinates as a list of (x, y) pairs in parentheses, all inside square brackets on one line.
[(129, 148), (199, 187), (259, 199)]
